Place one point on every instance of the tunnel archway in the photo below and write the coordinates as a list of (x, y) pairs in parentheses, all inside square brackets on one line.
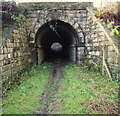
[(56, 31)]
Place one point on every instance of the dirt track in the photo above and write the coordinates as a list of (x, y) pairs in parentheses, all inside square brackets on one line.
[(49, 96)]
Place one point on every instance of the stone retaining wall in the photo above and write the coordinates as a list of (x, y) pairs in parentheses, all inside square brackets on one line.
[(15, 55), (98, 35)]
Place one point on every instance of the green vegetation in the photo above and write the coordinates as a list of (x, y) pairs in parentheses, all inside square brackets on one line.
[(21, 19), (24, 99), (111, 20), (81, 91), (87, 92)]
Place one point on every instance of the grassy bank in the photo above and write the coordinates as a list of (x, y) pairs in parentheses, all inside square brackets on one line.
[(87, 92), (24, 99)]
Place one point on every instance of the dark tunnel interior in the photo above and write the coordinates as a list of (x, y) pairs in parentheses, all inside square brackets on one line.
[(56, 32)]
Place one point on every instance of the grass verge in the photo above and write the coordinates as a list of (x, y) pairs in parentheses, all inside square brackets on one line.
[(24, 99), (87, 92)]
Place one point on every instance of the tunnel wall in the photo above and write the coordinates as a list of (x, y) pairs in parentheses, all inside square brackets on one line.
[(72, 53)]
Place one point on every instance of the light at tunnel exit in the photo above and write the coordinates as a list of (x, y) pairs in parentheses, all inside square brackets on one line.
[(56, 46)]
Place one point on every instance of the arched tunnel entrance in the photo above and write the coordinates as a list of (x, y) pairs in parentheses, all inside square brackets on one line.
[(56, 39)]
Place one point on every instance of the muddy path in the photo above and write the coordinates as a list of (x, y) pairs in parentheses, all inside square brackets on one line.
[(49, 97)]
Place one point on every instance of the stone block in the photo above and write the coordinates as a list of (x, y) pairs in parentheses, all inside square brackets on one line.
[(1, 63), (5, 50), (112, 54), (16, 36), (15, 31), (72, 22), (6, 67), (15, 55), (96, 44), (18, 53), (18, 44), (10, 45), (98, 53), (111, 48), (76, 25), (1, 57), (22, 67), (10, 50), (5, 56), (95, 39), (6, 74), (111, 60), (32, 35), (8, 40), (9, 55), (31, 16), (15, 69), (15, 45)]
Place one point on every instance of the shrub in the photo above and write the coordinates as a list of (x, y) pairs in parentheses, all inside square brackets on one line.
[(111, 20), (8, 9)]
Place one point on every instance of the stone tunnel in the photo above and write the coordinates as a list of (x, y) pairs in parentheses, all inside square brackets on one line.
[(64, 28), (74, 28), (56, 32)]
